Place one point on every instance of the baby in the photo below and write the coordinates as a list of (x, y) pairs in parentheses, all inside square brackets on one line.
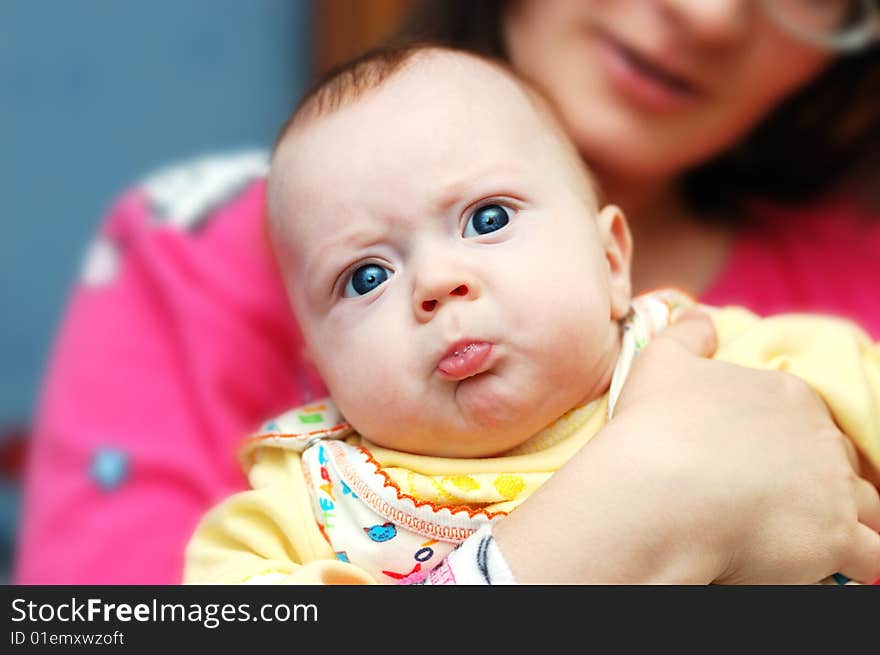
[(467, 303)]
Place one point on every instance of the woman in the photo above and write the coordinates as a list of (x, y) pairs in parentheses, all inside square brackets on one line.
[(179, 342)]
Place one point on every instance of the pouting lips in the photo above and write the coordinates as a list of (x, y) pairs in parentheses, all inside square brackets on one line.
[(465, 359)]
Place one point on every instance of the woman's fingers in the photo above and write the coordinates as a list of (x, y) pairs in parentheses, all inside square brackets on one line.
[(869, 470), (868, 503), (864, 562), (695, 331), (693, 421), (851, 454)]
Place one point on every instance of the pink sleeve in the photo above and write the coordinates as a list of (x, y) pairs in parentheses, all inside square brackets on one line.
[(177, 341)]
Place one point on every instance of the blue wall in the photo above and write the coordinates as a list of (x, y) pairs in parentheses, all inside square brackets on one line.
[(94, 94)]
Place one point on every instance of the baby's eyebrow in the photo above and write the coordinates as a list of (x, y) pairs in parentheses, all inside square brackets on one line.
[(323, 265), (476, 180), (327, 259), (453, 193)]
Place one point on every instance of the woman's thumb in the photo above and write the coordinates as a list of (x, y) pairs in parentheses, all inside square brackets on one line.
[(694, 330)]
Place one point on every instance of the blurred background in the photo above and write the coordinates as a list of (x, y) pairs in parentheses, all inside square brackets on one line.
[(97, 94)]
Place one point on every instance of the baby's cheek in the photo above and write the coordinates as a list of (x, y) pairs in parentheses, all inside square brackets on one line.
[(371, 386), (581, 341)]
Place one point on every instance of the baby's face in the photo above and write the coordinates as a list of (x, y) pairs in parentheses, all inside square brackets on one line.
[(455, 286)]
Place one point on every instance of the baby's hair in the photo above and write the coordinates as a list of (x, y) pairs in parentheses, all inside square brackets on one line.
[(346, 83)]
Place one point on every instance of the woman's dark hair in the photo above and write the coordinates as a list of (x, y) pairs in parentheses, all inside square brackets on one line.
[(823, 139)]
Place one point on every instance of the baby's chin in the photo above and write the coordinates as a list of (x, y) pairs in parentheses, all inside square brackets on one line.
[(445, 434), (507, 414), (452, 445), (470, 425)]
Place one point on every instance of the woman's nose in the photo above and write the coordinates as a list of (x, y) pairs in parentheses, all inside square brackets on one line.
[(711, 21), (433, 290)]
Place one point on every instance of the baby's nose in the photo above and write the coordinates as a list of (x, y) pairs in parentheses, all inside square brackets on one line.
[(435, 288), (430, 305)]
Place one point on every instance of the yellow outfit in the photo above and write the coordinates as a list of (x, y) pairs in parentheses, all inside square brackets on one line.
[(326, 506)]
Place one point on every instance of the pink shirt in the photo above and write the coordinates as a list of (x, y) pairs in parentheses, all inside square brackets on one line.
[(178, 341), (823, 260)]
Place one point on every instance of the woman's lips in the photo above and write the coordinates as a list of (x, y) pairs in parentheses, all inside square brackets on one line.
[(465, 359), (645, 81)]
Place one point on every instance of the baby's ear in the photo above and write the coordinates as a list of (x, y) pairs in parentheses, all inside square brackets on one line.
[(617, 244)]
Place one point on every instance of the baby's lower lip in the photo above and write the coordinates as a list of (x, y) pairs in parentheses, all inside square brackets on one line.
[(465, 360)]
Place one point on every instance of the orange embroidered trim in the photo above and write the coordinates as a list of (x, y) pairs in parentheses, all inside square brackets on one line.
[(397, 514), (293, 435)]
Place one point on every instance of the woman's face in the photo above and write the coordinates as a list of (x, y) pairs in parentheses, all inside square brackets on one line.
[(649, 88)]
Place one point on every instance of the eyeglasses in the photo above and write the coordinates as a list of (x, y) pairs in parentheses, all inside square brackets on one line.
[(839, 25)]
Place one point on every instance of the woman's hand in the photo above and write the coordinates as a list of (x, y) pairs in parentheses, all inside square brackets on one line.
[(709, 472)]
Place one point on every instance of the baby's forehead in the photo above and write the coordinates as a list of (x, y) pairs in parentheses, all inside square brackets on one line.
[(433, 104), (431, 84)]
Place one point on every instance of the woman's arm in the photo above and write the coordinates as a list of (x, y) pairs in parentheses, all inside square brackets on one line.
[(708, 472), (176, 343)]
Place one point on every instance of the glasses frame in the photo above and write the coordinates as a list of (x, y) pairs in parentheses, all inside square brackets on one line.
[(849, 40)]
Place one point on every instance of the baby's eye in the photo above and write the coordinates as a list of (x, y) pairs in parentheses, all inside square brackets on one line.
[(364, 279), (486, 219)]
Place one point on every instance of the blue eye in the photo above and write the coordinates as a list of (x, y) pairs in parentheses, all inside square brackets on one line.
[(485, 220), (364, 279)]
